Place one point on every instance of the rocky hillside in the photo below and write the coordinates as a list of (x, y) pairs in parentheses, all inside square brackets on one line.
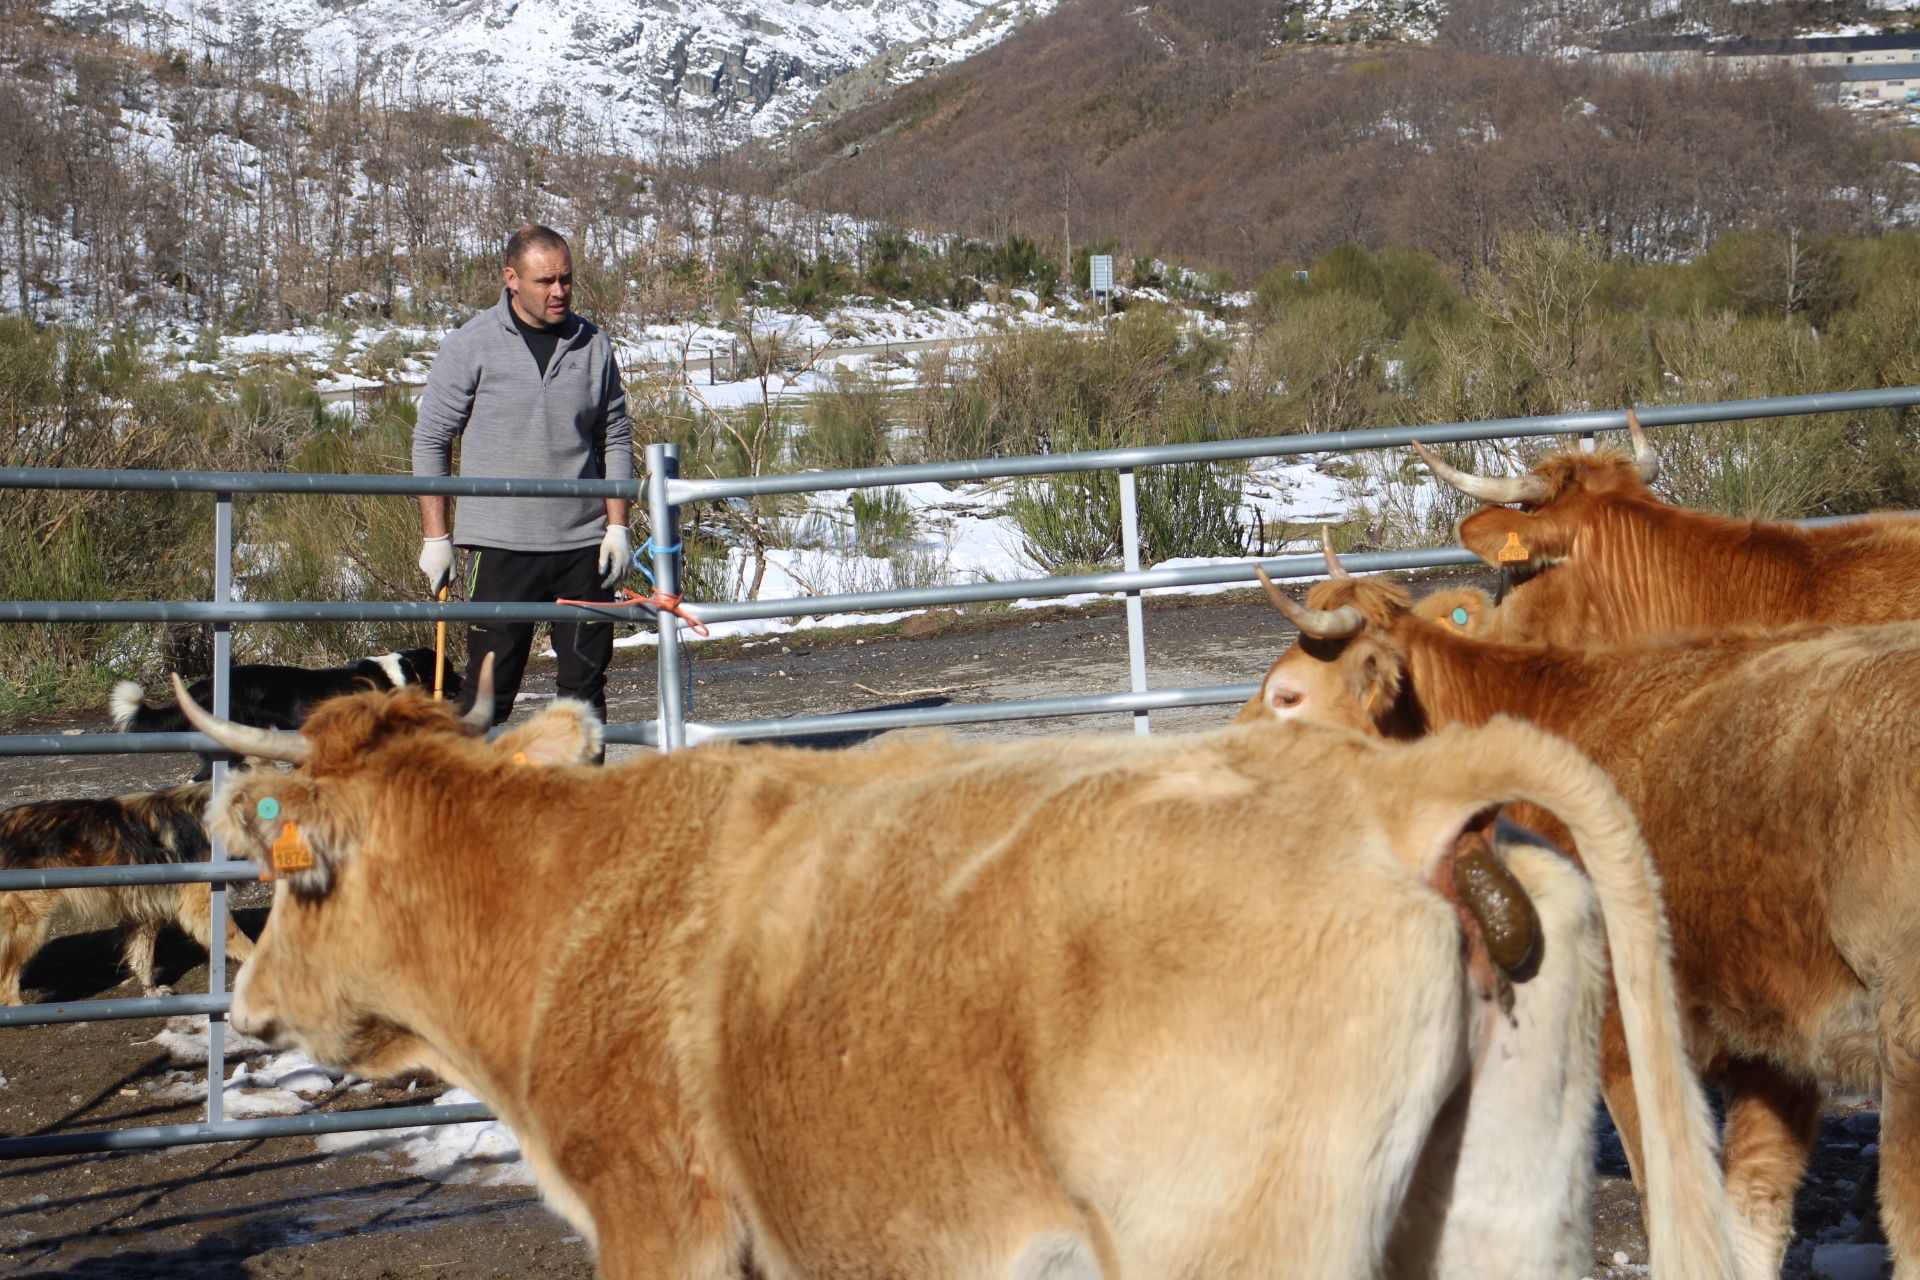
[(641, 73), (1238, 135)]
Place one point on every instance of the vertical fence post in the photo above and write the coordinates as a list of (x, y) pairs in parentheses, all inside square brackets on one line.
[(217, 850), (1136, 616), (663, 464)]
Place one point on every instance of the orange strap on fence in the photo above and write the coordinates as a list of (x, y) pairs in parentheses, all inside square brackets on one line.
[(661, 600)]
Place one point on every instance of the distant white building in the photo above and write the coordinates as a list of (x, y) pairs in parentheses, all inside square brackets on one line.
[(1876, 68)]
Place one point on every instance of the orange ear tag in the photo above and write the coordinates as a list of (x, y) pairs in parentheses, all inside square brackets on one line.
[(520, 758), (1513, 551), (291, 852)]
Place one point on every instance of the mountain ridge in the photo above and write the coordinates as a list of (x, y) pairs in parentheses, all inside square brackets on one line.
[(649, 74)]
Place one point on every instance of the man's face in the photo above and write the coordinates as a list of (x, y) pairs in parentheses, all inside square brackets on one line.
[(542, 285)]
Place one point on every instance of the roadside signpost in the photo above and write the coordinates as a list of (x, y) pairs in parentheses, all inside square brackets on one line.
[(1100, 278)]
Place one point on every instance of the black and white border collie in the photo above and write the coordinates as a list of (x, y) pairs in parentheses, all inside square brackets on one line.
[(276, 697)]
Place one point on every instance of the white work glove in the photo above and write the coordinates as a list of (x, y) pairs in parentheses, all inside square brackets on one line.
[(436, 561), (615, 551)]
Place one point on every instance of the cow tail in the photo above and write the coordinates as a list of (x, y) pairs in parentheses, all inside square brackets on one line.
[(1507, 761)]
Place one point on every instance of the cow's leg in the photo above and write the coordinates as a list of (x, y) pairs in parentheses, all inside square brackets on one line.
[(1616, 1088), (644, 1206), (631, 1250), (1899, 1013), (1518, 1207), (640, 1236), (1772, 1119), (1060, 1255)]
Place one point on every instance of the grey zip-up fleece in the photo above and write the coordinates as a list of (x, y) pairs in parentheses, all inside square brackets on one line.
[(485, 386)]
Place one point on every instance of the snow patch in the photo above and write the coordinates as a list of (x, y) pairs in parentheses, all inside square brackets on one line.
[(483, 1151), (281, 1082)]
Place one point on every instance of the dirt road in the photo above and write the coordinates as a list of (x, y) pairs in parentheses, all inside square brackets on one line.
[(283, 1209)]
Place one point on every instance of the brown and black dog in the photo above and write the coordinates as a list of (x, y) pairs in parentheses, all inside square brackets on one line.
[(134, 830)]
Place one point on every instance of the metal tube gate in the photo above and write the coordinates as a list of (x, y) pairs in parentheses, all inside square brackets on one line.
[(664, 493)]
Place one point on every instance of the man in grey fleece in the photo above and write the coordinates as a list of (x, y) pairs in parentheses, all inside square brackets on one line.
[(531, 390)]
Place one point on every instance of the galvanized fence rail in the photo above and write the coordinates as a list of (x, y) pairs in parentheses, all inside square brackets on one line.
[(665, 492)]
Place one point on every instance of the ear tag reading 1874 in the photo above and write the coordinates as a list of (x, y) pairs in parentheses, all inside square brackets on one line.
[(291, 852), (1513, 551)]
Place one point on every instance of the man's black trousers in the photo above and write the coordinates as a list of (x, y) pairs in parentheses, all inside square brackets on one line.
[(584, 649)]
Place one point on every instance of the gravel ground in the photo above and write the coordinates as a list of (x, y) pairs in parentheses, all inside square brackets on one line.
[(280, 1208)]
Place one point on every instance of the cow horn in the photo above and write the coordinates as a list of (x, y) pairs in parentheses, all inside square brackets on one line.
[(241, 739), (1322, 624), (1529, 488), (1643, 454), (1334, 568), (479, 717)]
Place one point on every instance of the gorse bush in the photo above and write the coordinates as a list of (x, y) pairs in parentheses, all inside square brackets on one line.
[(1144, 379), (953, 271), (66, 402), (846, 425), (1325, 354), (882, 521), (1071, 523), (1191, 509), (338, 546)]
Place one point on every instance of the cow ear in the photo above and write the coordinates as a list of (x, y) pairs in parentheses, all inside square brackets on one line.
[(286, 829), (1377, 684), (567, 732), (1464, 610), (1508, 539)]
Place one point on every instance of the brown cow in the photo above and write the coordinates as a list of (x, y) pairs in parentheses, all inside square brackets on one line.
[(1065, 1009), (1591, 555), (1772, 774)]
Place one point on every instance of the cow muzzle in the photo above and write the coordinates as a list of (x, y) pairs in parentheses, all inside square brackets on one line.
[(247, 1018)]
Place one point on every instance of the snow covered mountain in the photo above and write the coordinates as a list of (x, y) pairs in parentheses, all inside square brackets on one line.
[(646, 74)]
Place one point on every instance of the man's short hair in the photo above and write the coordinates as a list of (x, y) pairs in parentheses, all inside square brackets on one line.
[(530, 237)]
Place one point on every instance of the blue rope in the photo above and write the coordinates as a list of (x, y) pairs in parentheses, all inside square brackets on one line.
[(643, 557)]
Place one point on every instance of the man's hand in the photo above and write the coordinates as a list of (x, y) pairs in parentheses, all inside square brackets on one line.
[(436, 561), (615, 550)]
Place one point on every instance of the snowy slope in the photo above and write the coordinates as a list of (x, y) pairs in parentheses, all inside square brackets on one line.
[(654, 72)]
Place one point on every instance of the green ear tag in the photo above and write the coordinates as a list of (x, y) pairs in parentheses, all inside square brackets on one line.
[(268, 808), (1459, 620)]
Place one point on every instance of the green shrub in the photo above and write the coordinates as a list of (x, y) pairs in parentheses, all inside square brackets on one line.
[(1780, 468), (882, 521), (1190, 509), (847, 425), (63, 403), (336, 546), (1070, 523)]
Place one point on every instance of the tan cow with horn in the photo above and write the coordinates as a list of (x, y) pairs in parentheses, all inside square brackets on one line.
[(1591, 555), (1772, 774), (1061, 1009)]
